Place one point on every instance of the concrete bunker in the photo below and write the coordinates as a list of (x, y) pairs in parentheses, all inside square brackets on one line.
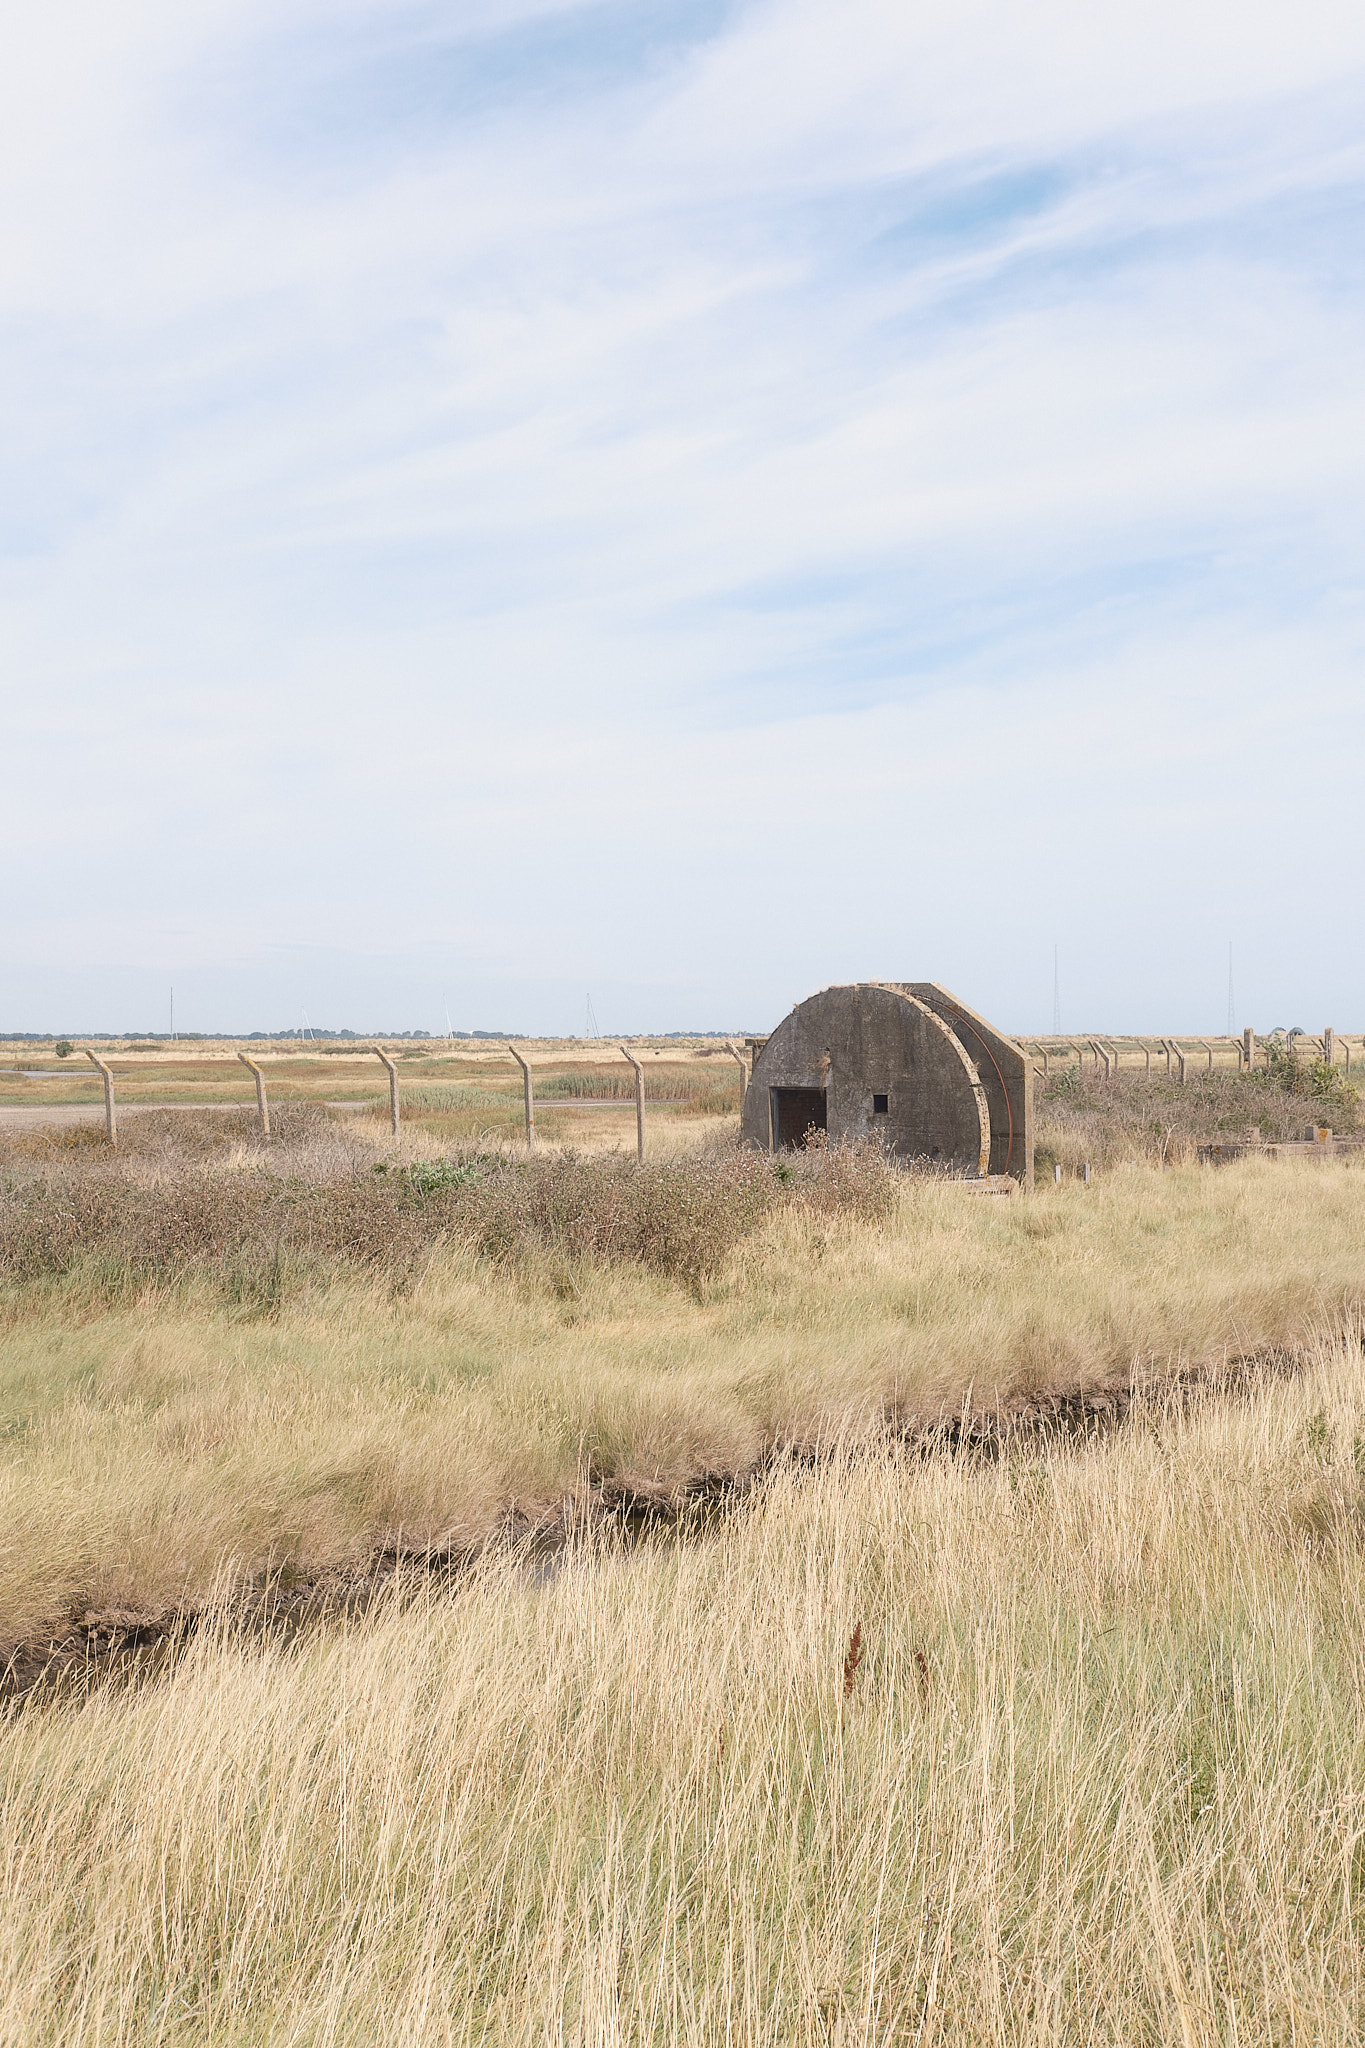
[(903, 1061)]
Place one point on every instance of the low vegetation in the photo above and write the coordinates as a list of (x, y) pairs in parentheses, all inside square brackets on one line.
[(219, 1355), (1081, 1116), (1062, 1746)]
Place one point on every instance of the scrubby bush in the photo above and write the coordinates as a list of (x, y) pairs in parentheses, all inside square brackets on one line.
[(168, 1211), (1082, 1116)]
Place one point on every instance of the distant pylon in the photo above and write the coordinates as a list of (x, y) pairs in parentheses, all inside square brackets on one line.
[(590, 1027), (1056, 996)]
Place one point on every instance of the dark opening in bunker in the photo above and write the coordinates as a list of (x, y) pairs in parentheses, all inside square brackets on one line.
[(881, 1105), (796, 1111)]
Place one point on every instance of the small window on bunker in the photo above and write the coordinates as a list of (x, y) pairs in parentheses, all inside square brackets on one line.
[(796, 1111), (880, 1105)]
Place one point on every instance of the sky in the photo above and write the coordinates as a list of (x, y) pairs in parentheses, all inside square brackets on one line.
[(675, 503)]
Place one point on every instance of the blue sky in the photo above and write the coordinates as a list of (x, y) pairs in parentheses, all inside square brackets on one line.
[(682, 503)]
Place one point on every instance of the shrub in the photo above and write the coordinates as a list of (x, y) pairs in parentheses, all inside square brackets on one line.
[(158, 1215)]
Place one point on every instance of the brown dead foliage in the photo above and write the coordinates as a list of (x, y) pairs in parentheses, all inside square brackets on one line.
[(201, 1198)]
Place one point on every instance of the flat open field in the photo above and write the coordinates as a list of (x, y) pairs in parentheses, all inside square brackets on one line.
[(903, 1719), (585, 1089)]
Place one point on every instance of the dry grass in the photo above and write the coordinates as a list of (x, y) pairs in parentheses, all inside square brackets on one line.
[(1097, 1774), (153, 1430), (1139, 1117)]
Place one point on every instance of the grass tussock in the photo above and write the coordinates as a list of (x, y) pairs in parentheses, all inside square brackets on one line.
[(1062, 1748)]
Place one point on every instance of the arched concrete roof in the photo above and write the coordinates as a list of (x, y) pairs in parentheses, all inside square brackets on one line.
[(871, 1040)]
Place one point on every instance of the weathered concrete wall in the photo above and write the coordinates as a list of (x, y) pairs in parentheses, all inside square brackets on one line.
[(1006, 1075), (871, 1039)]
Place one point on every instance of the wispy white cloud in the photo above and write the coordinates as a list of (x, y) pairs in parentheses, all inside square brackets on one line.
[(686, 500)]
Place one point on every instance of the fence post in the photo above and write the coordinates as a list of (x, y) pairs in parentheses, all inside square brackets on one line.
[(1329, 1046), (525, 1066), (1044, 1062), (262, 1108), (1249, 1048), (1209, 1050), (380, 1053), (110, 1119), (1147, 1057), (639, 1104), (731, 1047), (1180, 1058)]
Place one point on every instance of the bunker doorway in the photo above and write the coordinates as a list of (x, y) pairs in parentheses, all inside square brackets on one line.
[(796, 1111)]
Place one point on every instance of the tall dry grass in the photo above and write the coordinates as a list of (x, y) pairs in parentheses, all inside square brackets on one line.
[(1096, 1775), (154, 1431)]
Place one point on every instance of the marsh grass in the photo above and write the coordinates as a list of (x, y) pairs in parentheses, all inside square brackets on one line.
[(1097, 1775), (305, 1409)]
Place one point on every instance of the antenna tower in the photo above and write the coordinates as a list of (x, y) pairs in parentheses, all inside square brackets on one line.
[(590, 1026)]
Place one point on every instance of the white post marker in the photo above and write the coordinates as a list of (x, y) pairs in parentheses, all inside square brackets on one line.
[(380, 1053), (525, 1066), (110, 1119), (639, 1103), (262, 1107)]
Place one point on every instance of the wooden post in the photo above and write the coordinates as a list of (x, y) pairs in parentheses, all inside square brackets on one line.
[(262, 1107), (1249, 1048), (1347, 1043), (110, 1118), (380, 1053), (1147, 1059), (731, 1047), (525, 1066), (1329, 1046), (1045, 1063), (639, 1103)]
